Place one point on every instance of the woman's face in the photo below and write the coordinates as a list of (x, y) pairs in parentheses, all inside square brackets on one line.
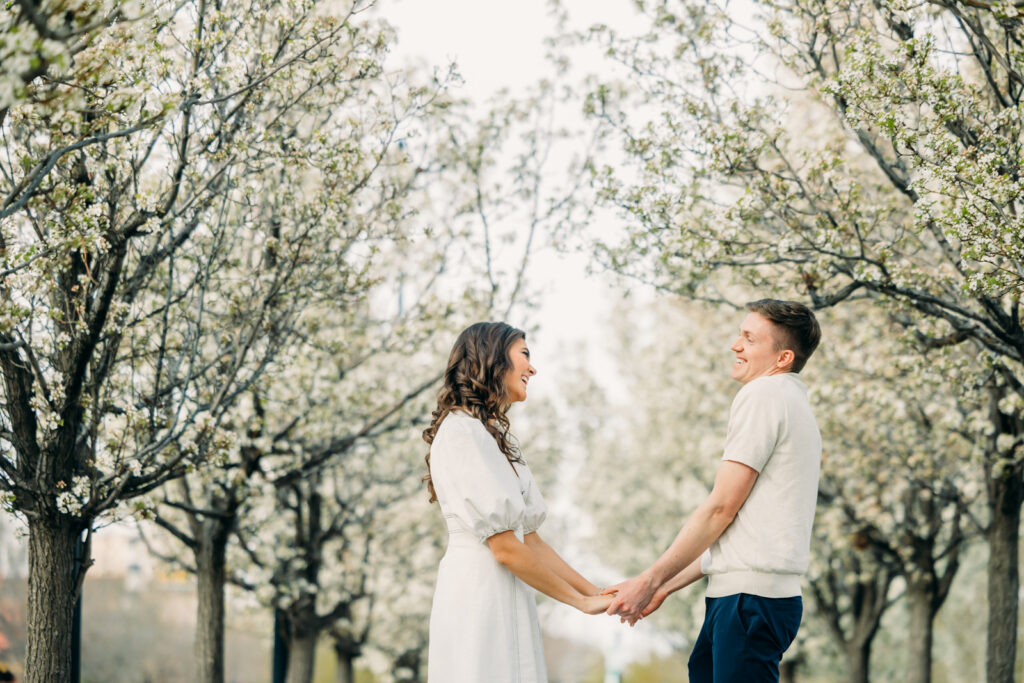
[(520, 373)]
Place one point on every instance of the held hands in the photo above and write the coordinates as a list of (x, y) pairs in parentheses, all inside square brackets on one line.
[(633, 599), (596, 604)]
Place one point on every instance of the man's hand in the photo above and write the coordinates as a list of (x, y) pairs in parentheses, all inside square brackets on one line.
[(631, 598), (656, 600)]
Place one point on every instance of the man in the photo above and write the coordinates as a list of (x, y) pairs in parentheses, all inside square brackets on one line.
[(752, 534)]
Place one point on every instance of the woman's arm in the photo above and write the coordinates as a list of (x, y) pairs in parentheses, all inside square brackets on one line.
[(555, 563), (524, 562)]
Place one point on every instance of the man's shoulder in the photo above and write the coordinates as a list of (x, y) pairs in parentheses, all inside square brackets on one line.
[(768, 384), (772, 389), (784, 381)]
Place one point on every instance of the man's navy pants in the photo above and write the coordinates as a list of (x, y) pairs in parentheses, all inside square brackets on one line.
[(743, 638)]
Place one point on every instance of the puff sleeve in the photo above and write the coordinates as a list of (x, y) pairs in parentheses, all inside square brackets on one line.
[(477, 489)]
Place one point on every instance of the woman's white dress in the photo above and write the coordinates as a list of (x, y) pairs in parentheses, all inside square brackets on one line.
[(483, 623)]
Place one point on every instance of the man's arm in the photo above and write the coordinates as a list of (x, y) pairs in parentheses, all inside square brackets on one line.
[(681, 580), (733, 483)]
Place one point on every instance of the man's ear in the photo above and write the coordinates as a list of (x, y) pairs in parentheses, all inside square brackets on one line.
[(787, 357)]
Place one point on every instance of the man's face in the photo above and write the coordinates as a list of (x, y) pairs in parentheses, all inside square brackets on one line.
[(755, 350)]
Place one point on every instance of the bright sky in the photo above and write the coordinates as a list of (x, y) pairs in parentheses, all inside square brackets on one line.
[(495, 44), (501, 45)]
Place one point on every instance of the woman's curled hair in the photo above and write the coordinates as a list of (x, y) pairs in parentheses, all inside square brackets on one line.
[(475, 382)]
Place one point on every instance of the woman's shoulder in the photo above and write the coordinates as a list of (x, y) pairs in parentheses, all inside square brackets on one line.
[(459, 420), (461, 437), (459, 425)]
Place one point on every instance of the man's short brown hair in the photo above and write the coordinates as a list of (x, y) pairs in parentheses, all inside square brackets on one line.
[(795, 325)]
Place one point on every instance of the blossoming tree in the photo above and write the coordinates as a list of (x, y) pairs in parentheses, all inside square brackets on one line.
[(899, 488), (351, 470), (895, 498), (359, 377), (159, 242), (840, 151)]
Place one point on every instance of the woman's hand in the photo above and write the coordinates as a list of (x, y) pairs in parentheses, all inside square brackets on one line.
[(594, 604)]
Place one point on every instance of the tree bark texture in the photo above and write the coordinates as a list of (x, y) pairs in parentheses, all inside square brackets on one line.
[(301, 656), (1003, 579), (858, 657), (920, 599), (51, 599), (211, 576), (346, 671)]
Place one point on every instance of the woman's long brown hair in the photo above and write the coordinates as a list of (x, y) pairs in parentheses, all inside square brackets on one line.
[(475, 382)]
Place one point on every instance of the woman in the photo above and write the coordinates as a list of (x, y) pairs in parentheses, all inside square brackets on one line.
[(483, 624)]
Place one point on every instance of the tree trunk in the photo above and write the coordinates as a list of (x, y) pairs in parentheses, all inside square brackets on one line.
[(858, 656), (211, 576), (1003, 578), (51, 599), (346, 672), (282, 635), (301, 656), (920, 599), (346, 651)]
